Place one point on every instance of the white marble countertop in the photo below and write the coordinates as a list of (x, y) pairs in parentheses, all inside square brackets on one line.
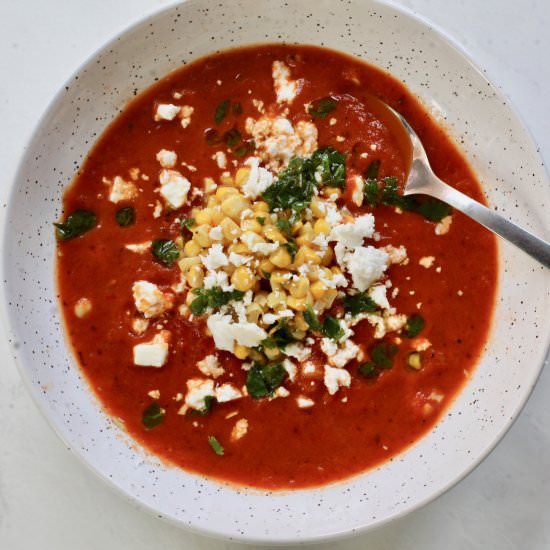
[(49, 500)]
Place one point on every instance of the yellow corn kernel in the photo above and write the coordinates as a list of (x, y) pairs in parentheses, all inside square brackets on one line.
[(280, 258), (195, 276), (238, 248), (266, 266), (260, 298), (330, 191), (318, 289), (321, 227), (227, 179), (273, 234), (230, 229), (328, 257), (261, 206), (272, 353), (307, 229), (336, 270), (201, 236), (251, 225), (217, 215), (300, 322), (203, 216), (185, 263), (223, 192), (306, 256), (243, 279), (212, 201), (241, 176), (233, 205), (318, 207), (82, 307), (297, 227), (299, 334), (276, 299), (299, 287), (241, 352), (209, 185), (297, 304), (253, 312), (179, 241), (304, 240), (191, 248), (190, 297), (325, 302)]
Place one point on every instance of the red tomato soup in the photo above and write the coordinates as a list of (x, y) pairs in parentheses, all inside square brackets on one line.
[(243, 283)]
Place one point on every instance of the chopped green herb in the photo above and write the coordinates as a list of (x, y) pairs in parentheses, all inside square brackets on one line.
[(209, 402), (221, 111), (76, 224), (284, 225), (330, 165), (266, 275), (232, 137), (212, 137), (281, 336), (434, 210), (125, 216), (382, 355), (153, 415), (244, 149), (413, 327), (368, 370), (260, 220), (320, 108), (371, 192), (237, 108), (371, 173), (312, 320), (332, 328), (291, 248), (212, 298), (165, 251), (187, 223), (262, 381), (216, 446), (359, 303)]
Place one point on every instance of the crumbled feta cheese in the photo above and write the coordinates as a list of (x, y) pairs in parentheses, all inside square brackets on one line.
[(210, 366), (427, 261), (155, 394), (393, 321), (216, 233), (377, 293), (285, 88), (396, 255), (139, 325), (149, 299), (239, 429), (259, 179), (357, 190), (239, 259), (309, 368), (332, 216), (226, 332), (336, 378), (221, 159), (290, 368), (298, 351), (157, 211), (139, 248), (332, 121), (339, 355), (227, 392), (174, 187), (185, 115), (304, 402), (166, 111), (197, 390), (82, 307), (217, 278), (365, 265), (153, 353), (122, 190), (215, 257), (281, 391), (421, 344), (167, 159), (444, 225), (351, 235)]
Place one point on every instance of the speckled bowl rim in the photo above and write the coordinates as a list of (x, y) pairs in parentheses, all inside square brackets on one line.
[(138, 502)]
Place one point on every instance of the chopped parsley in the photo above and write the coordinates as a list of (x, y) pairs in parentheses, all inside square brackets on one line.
[(165, 251), (262, 381), (209, 402), (125, 216), (260, 220), (247, 147), (216, 445), (221, 111), (291, 248), (370, 192), (312, 320), (368, 370), (332, 328), (284, 225), (413, 327), (382, 355), (76, 224), (232, 137), (152, 416), (212, 298), (330, 165), (359, 303), (188, 223), (371, 172), (279, 337), (320, 108)]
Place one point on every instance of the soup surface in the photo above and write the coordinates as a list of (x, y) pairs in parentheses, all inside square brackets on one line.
[(244, 285)]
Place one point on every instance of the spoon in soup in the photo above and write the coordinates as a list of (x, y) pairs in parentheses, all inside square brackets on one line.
[(421, 179)]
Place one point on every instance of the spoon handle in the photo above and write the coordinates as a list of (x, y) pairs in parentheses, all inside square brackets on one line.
[(533, 245)]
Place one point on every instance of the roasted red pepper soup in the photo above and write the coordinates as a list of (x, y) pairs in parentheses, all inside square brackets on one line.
[(245, 286)]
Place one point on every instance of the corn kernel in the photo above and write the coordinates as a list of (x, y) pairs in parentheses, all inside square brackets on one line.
[(253, 312), (318, 289), (273, 234), (241, 176), (266, 266), (295, 229), (299, 287), (297, 304), (212, 201), (233, 205), (201, 236), (203, 216), (238, 248), (227, 179), (195, 276), (328, 257), (300, 322), (272, 353), (209, 185), (318, 207), (251, 225), (243, 279), (241, 352), (190, 297), (321, 227), (191, 248), (276, 299), (305, 255), (261, 206), (330, 191), (280, 258), (185, 263), (82, 307), (261, 299), (217, 215), (230, 229), (304, 240), (223, 192)]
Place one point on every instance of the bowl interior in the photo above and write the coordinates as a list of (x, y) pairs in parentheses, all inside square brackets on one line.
[(453, 89)]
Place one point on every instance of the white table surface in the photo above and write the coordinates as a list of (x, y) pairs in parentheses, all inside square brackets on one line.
[(48, 500)]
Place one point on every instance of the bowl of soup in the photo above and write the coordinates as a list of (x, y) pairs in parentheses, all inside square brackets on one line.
[(221, 299)]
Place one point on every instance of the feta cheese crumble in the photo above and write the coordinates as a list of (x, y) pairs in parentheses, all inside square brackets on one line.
[(149, 299), (153, 353), (174, 188)]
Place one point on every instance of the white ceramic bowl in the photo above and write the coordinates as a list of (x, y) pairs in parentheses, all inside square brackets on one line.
[(456, 92)]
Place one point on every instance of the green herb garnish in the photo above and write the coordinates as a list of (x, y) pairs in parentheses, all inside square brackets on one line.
[(244, 149), (359, 303), (371, 192), (212, 298), (76, 224), (212, 137), (332, 328), (260, 220), (291, 248), (263, 380), (280, 337), (413, 327), (165, 251), (153, 415), (320, 108), (232, 137), (221, 111), (216, 446), (284, 225), (371, 173), (382, 355), (125, 216), (330, 165), (266, 274), (312, 320), (433, 209), (368, 370), (188, 223), (209, 402)]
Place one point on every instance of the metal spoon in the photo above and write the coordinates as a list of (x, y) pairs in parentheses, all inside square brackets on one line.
[(422, 179)]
